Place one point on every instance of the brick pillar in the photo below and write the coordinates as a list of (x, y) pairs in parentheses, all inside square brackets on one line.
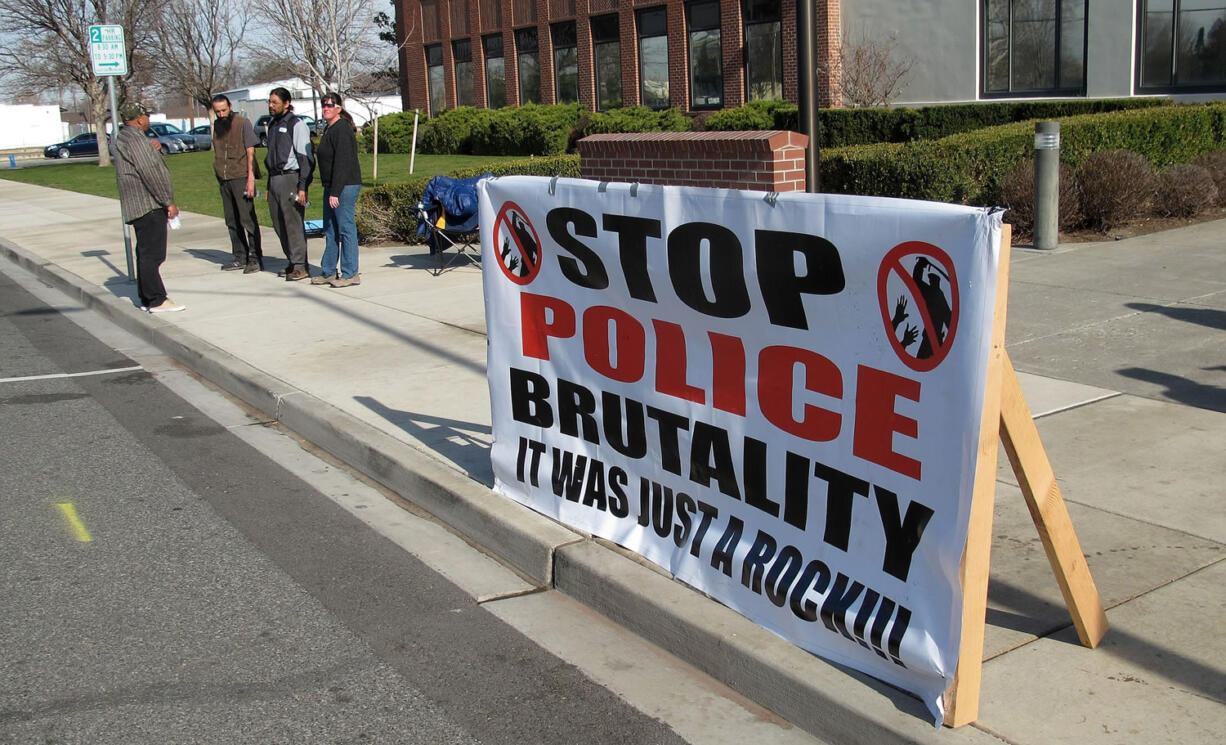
[(759, 160), (829, 53), (544, 54), (629, 41), (444, 26), (732, 46), (678, 72), (587, 62)]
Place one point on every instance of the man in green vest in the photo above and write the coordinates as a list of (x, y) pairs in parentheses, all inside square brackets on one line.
[(234, 163)]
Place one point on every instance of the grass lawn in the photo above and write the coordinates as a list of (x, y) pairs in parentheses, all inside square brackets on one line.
[(196, 186)]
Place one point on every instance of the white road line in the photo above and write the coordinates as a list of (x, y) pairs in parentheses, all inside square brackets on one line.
[(71, 375)]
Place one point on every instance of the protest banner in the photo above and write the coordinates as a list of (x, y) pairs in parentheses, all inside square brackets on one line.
[(777, 398)]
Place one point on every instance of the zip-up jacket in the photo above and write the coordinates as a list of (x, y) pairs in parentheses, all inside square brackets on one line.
[(338, 158), (289, 149)]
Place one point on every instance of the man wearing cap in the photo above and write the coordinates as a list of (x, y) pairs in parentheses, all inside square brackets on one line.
[(234, 144), (290, 167), (147, 201)]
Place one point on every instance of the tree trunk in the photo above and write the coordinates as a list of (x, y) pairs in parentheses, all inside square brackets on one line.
[(100, 105)]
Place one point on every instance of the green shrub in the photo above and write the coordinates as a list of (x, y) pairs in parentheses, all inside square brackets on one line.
[(634, 119), (451, 131), (395, 132), (970, 167), (389, 212)]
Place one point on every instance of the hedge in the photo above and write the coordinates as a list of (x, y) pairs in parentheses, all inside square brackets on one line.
[(389, 212), (844, 127), (970, 167)]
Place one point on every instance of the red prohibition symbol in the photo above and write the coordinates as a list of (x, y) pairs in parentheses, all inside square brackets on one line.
[(517, 245), (917, 290)]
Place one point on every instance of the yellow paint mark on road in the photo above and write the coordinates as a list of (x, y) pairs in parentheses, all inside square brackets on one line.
[(79, 530)]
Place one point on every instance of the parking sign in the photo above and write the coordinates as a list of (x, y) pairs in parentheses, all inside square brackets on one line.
[(107, 50)]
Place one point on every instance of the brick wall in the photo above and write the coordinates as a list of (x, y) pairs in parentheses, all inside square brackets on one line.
[(763, 161), (541, 13)]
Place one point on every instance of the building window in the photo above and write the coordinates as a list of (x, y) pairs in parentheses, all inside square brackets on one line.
[(1183, 44), (763, 50), (462, 51), (607, 48), (565, 62), (653, 57), (495, 72), (706, 57), (529, 66), (434, 78), (1034, 47)]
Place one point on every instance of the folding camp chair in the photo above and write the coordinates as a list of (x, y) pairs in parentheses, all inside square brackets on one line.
[(447, 217)]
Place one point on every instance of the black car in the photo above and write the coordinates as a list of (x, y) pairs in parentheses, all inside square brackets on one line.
[(82, 144)]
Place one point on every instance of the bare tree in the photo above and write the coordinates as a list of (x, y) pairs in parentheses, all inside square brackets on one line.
[(874, 73), (52, 47), (198, 41), (328, 38)]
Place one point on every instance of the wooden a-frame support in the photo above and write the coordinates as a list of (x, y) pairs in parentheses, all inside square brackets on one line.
[(1006, 417)]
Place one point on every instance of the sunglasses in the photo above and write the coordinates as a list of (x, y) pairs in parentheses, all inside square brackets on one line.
[(327, 105)]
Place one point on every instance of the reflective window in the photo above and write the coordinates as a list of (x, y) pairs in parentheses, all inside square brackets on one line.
[(1183, 44), (565, 62), (763, 50), (528, 66), (435, 79), (653, 57), (1034, 47), (462, 51), (495, 72), (607, 50), (706, 57)]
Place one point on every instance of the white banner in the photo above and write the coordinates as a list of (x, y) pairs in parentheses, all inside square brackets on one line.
[(776, 399)]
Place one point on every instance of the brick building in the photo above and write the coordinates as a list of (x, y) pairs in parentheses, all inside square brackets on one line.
[(694, 55)]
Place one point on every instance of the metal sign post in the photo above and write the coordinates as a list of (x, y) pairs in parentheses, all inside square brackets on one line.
[(108, 52)]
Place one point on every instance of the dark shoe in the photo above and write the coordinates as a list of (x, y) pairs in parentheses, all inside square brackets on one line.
[(232, 266), (296, 275), (345, 281), (252, 268)]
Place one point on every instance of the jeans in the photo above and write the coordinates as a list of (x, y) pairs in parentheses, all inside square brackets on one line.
[(341, 231)]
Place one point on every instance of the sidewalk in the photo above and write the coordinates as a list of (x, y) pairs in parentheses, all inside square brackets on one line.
[(1121, 348)]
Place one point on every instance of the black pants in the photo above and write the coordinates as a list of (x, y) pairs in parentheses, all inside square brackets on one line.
[(240, 219), (150, 253)]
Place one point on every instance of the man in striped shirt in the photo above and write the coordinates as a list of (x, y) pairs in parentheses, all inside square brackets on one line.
[(147, 201)]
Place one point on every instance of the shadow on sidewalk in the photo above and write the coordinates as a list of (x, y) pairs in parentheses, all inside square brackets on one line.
[(457, 441), (1189, 672), (1183, 390), (1208, 317)]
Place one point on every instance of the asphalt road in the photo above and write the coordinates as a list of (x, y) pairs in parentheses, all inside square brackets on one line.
[(162, 581)]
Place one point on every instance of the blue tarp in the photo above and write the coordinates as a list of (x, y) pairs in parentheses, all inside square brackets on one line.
[(457, 198)]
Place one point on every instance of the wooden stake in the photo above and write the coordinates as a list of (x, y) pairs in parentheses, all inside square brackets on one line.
[(962, 698), (1047, 509)]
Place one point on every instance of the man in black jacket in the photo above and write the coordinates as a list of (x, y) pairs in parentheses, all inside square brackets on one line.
[(290, 167)]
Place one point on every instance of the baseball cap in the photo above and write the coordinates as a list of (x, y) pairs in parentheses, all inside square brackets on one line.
[(131, 110)]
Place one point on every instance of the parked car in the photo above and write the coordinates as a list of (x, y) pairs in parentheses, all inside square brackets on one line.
[(261, 126), (167, 143), (169, 131), (203, 135), (82, 144)]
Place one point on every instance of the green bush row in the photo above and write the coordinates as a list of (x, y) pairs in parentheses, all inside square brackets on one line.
[(844, 127), (389, 212), (970, 167), (523, 130)]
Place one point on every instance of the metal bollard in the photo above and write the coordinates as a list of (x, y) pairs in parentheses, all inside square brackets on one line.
[(1046, 184)]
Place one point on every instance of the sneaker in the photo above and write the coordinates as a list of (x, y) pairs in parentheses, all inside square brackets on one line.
[(322, 279), (167, 306), (345, 281), (296, 275), (252, 268), (233, 266)]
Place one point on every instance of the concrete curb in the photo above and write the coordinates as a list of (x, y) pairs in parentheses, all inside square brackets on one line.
[(824, 699)]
